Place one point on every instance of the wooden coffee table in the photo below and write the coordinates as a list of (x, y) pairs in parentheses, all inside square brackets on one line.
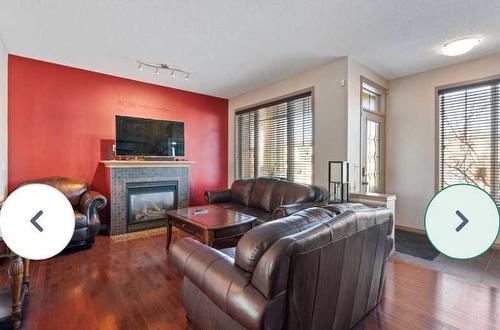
[(208, 223)]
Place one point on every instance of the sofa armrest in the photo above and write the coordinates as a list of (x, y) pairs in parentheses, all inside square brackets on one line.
[(194, 258), (284, 211), (224, 283), (91, 202), (221, 196)]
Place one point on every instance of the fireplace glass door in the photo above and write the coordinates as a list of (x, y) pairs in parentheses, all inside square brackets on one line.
[(148, 203)]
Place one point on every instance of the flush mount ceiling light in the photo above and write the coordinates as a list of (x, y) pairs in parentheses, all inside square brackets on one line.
[(460, 46), (158, 67)]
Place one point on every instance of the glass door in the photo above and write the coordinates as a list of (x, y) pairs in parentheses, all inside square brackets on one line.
[(372, 152)]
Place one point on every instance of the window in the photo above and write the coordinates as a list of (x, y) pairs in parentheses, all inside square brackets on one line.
[(372, 137), (469, 140), (276, 139), (369, 100)]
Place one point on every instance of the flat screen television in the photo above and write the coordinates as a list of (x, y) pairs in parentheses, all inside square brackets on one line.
[(141, 137)]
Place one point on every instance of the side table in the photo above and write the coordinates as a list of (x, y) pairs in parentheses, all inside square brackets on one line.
[(12, 297)]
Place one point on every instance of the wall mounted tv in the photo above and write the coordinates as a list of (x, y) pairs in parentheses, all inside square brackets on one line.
[(141, 137)]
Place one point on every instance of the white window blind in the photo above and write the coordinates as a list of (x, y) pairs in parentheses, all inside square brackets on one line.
[(469, 139), (276, 139)]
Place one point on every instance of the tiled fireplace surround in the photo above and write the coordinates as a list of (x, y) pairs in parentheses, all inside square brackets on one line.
[(119, 178)]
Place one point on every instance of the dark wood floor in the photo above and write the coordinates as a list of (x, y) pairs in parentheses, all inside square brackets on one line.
[(130, 285)]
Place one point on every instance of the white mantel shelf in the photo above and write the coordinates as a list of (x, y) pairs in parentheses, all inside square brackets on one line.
[(145, 163)]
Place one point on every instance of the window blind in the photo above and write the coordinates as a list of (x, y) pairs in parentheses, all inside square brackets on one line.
[(469, 138), (276, 139)]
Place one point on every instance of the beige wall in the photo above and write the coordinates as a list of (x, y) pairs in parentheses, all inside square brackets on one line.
[(355, 72), (411, 134), (337, 112), (330, 116), (3, 121)]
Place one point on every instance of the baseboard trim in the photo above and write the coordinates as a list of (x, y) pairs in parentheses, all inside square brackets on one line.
[(410, 230), (495, 246)]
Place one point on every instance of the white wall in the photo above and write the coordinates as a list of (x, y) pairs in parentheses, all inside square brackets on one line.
[(3, 121), (411, 134), (330, 115), (355, 71)]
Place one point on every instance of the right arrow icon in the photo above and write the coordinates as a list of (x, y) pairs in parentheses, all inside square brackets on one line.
[(464, 221)]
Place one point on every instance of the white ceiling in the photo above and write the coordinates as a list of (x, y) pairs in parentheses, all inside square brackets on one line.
[(234, 46)]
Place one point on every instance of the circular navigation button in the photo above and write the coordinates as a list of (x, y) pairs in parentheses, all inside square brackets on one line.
[(462, 221), (37, 221)]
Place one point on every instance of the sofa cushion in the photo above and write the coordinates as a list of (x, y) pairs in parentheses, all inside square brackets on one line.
[(256, 241), (241, 190), (286, 193), (262, 193)]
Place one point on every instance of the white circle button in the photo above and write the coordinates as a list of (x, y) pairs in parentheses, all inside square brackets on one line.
[(462, 221), (37, 221)]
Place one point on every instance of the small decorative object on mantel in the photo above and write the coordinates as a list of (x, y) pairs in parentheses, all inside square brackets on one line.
[(338, 181)]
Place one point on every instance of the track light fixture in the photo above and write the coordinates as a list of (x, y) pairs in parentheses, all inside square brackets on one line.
[(159, 66)]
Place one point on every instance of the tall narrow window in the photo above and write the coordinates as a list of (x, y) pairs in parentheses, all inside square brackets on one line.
[(469, 138), (372, 137), (276, 139)]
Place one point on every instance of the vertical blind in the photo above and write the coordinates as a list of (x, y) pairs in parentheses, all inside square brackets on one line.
[(469, 138), (276, 139)]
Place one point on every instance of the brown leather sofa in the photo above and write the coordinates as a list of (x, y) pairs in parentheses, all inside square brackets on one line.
[(311, 270), (267, 198), (86, 205)]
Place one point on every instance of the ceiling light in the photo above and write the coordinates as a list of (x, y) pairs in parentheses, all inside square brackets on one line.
[(158, 67), (460, 46)]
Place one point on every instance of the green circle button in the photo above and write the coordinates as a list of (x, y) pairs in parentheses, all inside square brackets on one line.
[(462, 221)]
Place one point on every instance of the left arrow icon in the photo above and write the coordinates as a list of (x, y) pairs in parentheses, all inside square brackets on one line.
[(35, 218)]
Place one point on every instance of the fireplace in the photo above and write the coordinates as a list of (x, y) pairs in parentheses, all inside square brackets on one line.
[(134, 174), (148, 202)]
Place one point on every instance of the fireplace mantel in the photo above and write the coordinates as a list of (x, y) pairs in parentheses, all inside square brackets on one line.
[(146, 163)]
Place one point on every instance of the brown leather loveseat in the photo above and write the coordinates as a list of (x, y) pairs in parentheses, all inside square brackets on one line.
[(86, 205), (267, 198), (311, 270)]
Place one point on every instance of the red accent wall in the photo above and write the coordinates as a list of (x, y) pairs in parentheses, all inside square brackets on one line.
[(61, 122)]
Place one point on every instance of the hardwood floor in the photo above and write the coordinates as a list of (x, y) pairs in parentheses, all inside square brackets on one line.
[(130, 285)]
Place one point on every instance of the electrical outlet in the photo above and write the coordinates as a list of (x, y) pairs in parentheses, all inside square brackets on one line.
[(114, 147)]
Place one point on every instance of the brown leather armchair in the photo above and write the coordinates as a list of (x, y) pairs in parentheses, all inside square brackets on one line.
[(86, 205), (268, 198), (311, 270)]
